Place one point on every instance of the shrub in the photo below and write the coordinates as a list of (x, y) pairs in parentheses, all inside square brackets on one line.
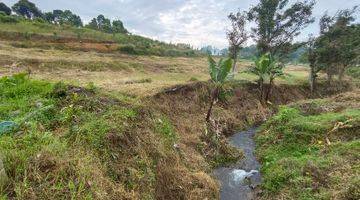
[(354, 72), (129, 49), (8, 19)]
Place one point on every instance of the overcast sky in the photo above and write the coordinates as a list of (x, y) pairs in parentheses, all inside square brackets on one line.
[(196, 22)]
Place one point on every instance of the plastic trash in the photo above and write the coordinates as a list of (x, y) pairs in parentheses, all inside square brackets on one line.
[(7, 126), (239, 175)]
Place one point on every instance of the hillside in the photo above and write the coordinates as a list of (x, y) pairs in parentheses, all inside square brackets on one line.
[(26, 34)]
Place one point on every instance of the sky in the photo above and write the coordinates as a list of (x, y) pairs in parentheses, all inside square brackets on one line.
[(195, 22)]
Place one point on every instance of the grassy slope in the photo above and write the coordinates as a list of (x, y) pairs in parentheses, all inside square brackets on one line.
[(36, 34), (297, 161), (73, 143), (82, 143)]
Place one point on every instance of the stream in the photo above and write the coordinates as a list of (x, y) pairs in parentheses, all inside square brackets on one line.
[(238, 182)]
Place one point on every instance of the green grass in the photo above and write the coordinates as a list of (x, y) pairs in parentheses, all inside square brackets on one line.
[(73, 143), (129, 44), (296, 163)]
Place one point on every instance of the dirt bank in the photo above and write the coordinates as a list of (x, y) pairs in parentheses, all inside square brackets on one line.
[(186, 105)]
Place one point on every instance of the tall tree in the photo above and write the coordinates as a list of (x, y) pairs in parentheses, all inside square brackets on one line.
[(277, 24), (57, 16), (237, 35), (339, 42), (49, 17), (67, 17), (104, 24), (5, 9), (63, 17), (93, 24), (314, 68), (118, 27), (26, 9)]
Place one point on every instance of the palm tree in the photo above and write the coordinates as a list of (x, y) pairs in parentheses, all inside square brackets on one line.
[(219, 73)]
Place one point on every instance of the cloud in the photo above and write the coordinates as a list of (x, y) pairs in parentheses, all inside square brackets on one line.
[(195, 22)]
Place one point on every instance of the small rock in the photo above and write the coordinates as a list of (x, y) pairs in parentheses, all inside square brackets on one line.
[(176, 146), (39, 104)]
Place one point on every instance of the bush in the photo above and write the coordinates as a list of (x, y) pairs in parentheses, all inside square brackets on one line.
[(354, 71), (8, 19), (129, 49)]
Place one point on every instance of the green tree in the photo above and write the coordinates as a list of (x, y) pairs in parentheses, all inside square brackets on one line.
[(57, 16), (63, 17), (219, 73), (100, 23), (26, 9), (49, 17), (5, 9), (67, 17), (237, 35), (337, 47), (277, 24), (93, 24), (311, 57), (104, 24), (118, 27)]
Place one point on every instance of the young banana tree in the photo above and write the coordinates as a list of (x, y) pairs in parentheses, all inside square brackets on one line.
[(261, 69), (267, 69), (219, 73), (276, 70)]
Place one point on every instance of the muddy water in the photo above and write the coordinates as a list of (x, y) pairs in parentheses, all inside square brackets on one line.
[(239, 180)]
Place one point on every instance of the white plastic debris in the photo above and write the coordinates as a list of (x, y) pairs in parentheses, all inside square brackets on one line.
[(239, 175)]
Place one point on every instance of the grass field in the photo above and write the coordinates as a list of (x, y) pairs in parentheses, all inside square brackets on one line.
[(137, 75)]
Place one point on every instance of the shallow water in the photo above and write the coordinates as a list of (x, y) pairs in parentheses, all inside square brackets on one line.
[(239, 180)]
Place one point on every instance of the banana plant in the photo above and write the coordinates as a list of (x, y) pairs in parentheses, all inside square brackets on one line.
[(261, 69), (276, 70), (219, 73), (267, 69)]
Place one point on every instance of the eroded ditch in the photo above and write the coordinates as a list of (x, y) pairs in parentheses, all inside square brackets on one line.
[(239, 181)]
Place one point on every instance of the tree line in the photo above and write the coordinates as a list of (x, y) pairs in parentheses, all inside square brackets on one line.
[(275, 25), (30, 11)]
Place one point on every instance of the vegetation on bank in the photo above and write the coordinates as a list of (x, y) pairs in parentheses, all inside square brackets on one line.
[(61, 26), (311, 150), (71, 142), (64, 37)]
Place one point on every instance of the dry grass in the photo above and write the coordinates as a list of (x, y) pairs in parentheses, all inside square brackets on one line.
[(111, 71)]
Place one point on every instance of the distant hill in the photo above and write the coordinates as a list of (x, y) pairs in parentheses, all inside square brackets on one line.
[(39, 33)]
